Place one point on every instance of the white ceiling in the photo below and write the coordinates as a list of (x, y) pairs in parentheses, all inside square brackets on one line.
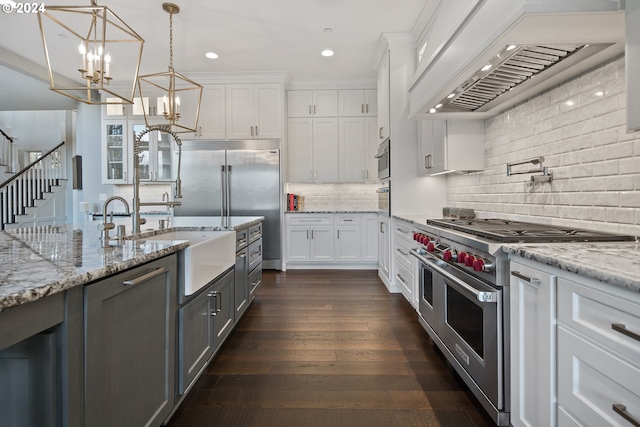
[(248, 35)]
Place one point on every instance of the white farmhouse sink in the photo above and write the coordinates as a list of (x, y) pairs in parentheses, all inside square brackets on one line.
[(208, 255)]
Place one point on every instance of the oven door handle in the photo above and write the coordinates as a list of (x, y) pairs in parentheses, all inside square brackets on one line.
[(482, 296)]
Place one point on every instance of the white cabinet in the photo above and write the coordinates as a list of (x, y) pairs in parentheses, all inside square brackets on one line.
[(598, 353), (115, 151), (384, 96), (450, 145), (313, 150), (347, 238), (331, 238), (212, 117), (405, 264), (357, 147), (355, 103), (307, 103), (533, 346), (384, 248), (253, 111), (632, 63)]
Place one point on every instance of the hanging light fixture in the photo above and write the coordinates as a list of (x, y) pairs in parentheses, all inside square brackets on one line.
[(177, 97), (91, 50)]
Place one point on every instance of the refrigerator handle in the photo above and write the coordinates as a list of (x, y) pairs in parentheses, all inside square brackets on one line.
[(223, 186), (228, 191)]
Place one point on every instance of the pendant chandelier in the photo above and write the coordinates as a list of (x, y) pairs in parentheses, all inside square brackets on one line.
[(91, 50), (177, 97)]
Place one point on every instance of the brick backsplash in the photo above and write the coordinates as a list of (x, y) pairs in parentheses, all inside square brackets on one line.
[(337, 197), (579, 128)]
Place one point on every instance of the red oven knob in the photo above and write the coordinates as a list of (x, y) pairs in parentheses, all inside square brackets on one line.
[(462, 257), (469, 260), (478, 265), (425, 239), (447, 255), (430, 247), (416, 236)]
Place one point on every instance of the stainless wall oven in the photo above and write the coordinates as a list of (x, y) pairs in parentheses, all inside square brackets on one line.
[(384, 160)]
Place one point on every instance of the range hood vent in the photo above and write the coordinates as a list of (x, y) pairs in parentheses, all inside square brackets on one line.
[(514, 66)]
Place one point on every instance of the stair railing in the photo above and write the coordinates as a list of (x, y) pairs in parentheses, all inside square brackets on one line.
[(25, 187), (6, 149)]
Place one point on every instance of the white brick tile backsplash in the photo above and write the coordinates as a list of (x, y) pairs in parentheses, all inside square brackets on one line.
[(595, 161)]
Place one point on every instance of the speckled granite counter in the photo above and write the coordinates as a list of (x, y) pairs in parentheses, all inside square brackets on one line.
[(617, 264), (42, 261), (414, 219), (346, 211)]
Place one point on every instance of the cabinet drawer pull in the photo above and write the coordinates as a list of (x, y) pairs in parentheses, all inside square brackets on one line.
[(145, 277), (403, 252), (619, 327), (255, 283), (254, 254), (401, 279), (525, 278), (622, 411), (402, 230)]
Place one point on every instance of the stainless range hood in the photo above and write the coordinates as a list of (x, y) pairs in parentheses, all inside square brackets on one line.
[(506, 52)]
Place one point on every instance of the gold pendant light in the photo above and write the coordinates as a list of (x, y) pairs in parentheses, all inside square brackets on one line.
[(92, 46), (177, 97)]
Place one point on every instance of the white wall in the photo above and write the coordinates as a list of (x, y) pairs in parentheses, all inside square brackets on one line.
[(579, 128)]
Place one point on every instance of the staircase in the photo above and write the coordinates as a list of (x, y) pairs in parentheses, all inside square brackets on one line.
[(24, 189)]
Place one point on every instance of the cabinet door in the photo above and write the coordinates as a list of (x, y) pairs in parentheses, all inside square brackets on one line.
[(130, 346), (347, 243), (533, 346), (369, 238), (351, 145), (325, 149), (371, 103), (351, 103), (241, 285), (299, 103), (212, 121), (223, 310), (325, 103), (300, 150), (384, 242), (240, 111), (383, 98), (425, 147), (371, 142), (268, 111), (114, 108), (115, 140), (438, 148), (298, 246), (195, 341), (322, 243)]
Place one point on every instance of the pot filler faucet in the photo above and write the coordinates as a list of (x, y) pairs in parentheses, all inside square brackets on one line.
[(137, 221)]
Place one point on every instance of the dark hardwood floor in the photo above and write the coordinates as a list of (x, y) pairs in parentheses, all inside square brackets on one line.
[(329, 348)]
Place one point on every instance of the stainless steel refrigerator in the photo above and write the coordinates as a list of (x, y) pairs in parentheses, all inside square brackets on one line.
[(235, 178)]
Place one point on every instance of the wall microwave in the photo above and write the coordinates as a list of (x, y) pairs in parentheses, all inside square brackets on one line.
[(383, 160)]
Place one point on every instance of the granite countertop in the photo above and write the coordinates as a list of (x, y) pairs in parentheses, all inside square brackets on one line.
[(617, 264), (42, 261), (334, 211)]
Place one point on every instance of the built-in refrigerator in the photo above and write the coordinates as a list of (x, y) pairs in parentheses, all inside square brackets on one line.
[(235, 178)]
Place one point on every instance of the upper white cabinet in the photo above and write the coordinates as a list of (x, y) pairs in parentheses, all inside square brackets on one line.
[(313, 150), (212, 117), (357, 136), (317, 103), (355, 103), (253, 111), (115, 151), (384, 98), (450, 145)]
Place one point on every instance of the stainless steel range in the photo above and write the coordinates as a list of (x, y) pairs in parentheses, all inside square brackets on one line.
[(464, 297)]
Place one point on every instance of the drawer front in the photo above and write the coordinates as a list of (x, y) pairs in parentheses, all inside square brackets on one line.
[(347, 219), (308, 219), (242, 238), (406, 279), (255, 254), (610, 318), (255, 232), (404, 232), (591, 381), (255, 280), (403, 256)]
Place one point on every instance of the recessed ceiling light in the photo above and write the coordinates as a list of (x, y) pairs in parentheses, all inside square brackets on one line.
[(327, 30), (486, 67), (451, 95), (570, 103), (439, 105), (599, 93), (433, 110), (211, 55), (511, 47), (327, 52)]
